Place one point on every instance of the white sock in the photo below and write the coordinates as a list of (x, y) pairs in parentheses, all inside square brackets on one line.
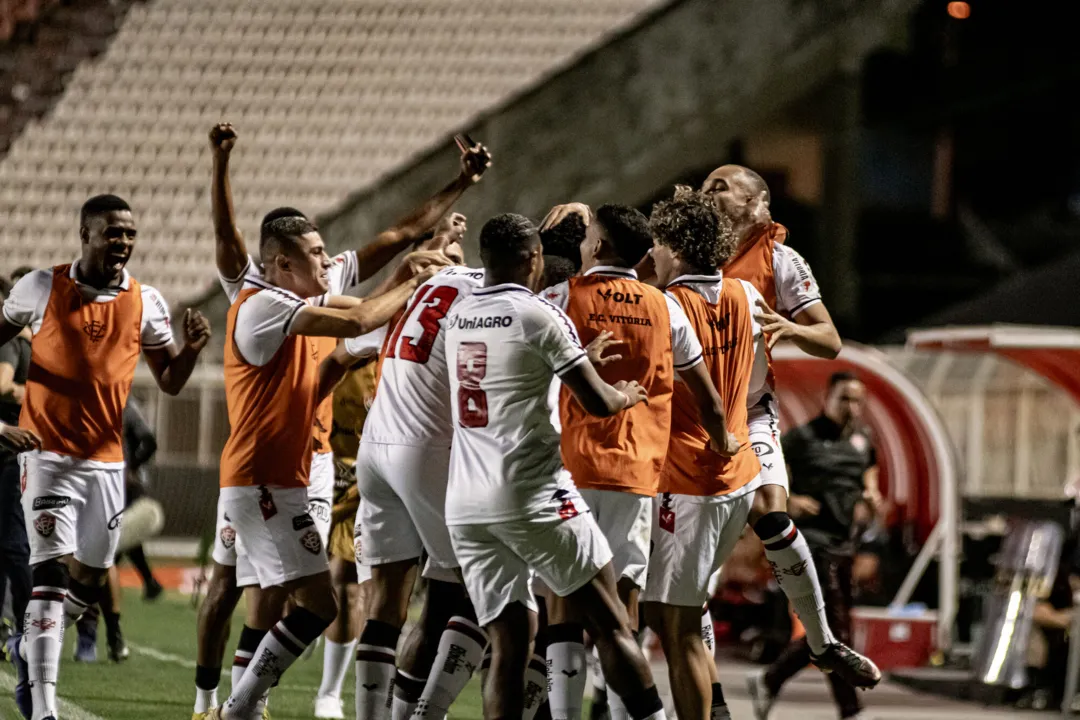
[(278, 650), (407, 691), (336, 660), (239, 664), (535, 686), (461, 651), (566, 668), (74, 607), (616, 709), (374, 681), (43, 642), (205, 699), (793, 567), (596, 671), (708, 634)]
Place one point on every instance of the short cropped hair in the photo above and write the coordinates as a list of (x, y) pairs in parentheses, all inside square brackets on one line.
[(557, 269), (101, 204), (282, 234), (694, 228), (841, 377), (507, 239), (282, 212), (564, 240), (17, 273), (627, 230)]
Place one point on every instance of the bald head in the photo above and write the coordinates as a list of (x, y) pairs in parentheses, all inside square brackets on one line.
[(742, 195)]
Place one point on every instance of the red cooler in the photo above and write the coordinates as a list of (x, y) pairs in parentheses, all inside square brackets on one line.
[(900, 640)]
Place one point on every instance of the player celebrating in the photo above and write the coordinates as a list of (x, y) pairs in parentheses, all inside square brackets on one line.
[(511, 507), (401, 471), (706, 496), (616, 461), (789, 290), (348, 269), (90, 320), (274, 380)]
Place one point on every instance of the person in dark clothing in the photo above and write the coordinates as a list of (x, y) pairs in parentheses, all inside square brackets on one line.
[(14, 548), (833, 468), (139, 447)]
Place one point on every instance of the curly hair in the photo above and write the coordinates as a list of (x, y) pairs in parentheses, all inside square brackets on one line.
[(693, 227), (564, 239)]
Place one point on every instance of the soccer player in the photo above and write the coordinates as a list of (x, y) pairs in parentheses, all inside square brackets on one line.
[(275, 378), (616, 462), (401, 471), (511, 507), (791, 309), (706, 496), (90, 320), (348, 269)]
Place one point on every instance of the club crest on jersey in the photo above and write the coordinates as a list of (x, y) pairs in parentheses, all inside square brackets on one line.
[(228, 537), (566, 504), (666, 517), (45, 524), (95, 330), (311, 542)]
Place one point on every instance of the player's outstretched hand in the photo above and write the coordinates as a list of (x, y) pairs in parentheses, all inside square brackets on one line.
[(730, 448), (633, 391), (773, 324), (475, 158), (196, 330), (18, 439), (426, 262), (222, 138), (452, 227), (595, 349), (560, 212)]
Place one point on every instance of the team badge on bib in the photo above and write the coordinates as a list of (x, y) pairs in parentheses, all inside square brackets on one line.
[(311, 542), (45, 524), (228, 537), (666, 518)]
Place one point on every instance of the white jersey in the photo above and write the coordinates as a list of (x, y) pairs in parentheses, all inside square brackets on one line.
[(343, 275), (412, 405), (796, 287), (29, 299), (504, 345)]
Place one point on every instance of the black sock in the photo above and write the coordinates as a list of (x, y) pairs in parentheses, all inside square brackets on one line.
[(408, 688), (138, 560), (380, 634), (717, 695), (206, 678), (112, 622), (645, 703)]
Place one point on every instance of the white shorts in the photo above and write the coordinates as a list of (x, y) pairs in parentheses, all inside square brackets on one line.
[(228, 550), (275, 533), (764, 421), (72, 507), (403, 503), (625, 519), (321, 493), (498, 560), (691, 538)]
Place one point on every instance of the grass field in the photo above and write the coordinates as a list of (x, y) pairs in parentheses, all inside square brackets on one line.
[(158, 682)]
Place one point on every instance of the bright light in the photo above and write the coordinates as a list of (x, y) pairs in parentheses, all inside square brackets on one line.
[(960, 10)]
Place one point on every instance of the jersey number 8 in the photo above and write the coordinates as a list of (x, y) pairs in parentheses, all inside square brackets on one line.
[(471, 369)]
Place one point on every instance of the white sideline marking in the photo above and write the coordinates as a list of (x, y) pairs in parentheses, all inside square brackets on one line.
[(67, 708), (161, 656)]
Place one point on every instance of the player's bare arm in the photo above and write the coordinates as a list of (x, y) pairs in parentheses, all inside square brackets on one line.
[(812, 330), (872, 490), (711, 408), (360, 319), (332, 369), (9, 389), (231, 253), (172, 366), (475, 160), (596, 396), (18, 440)]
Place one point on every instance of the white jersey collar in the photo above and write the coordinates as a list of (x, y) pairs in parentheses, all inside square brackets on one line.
[(502, 287), (694, 279), (612, 270), (125, 278)]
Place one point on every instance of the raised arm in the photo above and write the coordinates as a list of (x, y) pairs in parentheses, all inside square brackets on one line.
[(596, 396), (172, 366), (358, 319), (475, 160), (231, 253)]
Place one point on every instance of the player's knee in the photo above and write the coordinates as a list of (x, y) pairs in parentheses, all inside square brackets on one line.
[(772, 524), (51, 573)]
